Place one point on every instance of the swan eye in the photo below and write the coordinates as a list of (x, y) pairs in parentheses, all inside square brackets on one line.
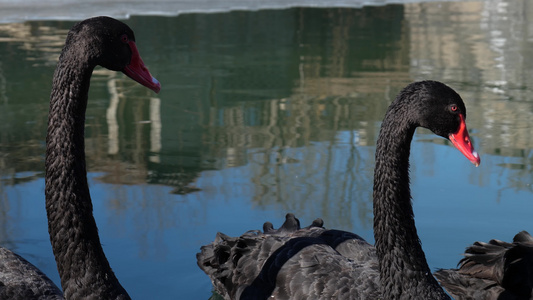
[(454, 108), (124, 38)]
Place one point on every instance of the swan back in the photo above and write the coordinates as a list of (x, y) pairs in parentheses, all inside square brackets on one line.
[(290, 263), (19, 279), (493, 270)]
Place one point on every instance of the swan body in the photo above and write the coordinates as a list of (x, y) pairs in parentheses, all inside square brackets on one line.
[(19, 279), (304, 257), (495, 270), (316, 263), (82, 265)]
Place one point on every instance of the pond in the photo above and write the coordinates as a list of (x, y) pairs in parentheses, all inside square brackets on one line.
[(267, 112)]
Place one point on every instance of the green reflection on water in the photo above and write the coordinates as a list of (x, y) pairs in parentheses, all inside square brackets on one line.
[(232, 82)]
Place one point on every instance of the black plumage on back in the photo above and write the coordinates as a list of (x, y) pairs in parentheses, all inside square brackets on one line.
[(493, 270)]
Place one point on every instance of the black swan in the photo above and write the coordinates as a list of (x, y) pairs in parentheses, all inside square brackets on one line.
[(315, 263), (81, 262), (493, 271)]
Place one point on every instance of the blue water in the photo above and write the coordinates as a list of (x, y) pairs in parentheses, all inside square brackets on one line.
[(151, 240)]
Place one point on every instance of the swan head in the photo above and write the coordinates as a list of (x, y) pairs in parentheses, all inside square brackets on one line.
[(439, 108), (111, 44)]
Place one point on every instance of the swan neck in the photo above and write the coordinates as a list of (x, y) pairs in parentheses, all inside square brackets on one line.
[(82, 265), (401, 259)]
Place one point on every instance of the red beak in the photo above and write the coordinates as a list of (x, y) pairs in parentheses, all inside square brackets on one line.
[(461, 141), (137, 71)]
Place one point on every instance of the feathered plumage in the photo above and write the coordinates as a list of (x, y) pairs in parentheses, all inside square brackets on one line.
[(493, 270)]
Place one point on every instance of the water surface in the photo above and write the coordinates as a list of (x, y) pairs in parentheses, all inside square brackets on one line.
[(267, 112)]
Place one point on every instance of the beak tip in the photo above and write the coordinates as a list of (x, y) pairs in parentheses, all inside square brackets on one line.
[(157, 88), (156, 85), (477, 159)]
